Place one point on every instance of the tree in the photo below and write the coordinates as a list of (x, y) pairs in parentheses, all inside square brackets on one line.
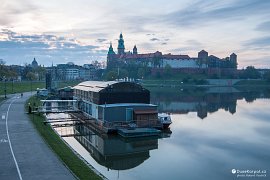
[(157, 61), (41, 71), (158, 75), (167, 70), (144, 72), (266, 76), (2, 62), (111, 75), (7, 71), (123, 73), (26, 70), (251, 72), (141, 73), (31, 76)]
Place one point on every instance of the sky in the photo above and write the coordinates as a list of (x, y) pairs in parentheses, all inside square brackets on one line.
[(80, 31)]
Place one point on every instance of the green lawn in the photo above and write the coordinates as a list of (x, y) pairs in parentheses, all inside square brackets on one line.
[(18, 87), (185, 82), (72, 161), (1, 99), (26, 86), (178, 77), (253, 83)]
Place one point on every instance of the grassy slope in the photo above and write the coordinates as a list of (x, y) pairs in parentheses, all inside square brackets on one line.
[(25, 86), (253, 83), (72, 161), (20, 87)]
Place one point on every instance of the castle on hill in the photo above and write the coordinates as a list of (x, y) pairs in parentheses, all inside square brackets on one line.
[(158, 60)]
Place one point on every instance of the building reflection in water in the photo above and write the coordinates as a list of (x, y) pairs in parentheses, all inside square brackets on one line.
[(204, 100), (115, 152)]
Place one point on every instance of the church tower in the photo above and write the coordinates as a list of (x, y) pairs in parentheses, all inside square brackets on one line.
[(121, 46), (135, 50), (110, 57), (111, 49)]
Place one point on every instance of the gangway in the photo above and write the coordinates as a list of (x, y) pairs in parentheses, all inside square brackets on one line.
[(56, 106)]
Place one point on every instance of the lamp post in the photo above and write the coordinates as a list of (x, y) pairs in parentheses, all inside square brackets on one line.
[(5, 87), (12, 85), (31, 86)]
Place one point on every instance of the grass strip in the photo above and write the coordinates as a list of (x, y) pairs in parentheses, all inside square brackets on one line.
[(71, 160), (26, 86)]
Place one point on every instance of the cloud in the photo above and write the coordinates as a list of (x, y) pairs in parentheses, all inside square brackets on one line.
[(265, 26), (193, 42), (154, 39), (57, 27), (101, 40), (206, 12), (12, 9), (46, 48), (261, 42)]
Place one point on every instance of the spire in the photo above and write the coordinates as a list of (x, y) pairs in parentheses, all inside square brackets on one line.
[(111, 49), (121, 46), (135, 50), (110, 45)]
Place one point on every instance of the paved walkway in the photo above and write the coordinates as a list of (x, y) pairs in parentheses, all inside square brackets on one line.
[(23, 153)]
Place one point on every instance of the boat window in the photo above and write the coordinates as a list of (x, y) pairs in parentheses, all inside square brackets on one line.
[(129, 114)]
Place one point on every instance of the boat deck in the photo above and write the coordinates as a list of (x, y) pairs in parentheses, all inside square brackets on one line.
[(138, 132)]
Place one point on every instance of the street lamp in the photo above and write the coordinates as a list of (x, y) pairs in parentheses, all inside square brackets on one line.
[(5, 87), (12, 85)]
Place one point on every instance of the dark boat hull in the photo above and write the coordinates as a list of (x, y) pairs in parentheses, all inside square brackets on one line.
[(166, 125)]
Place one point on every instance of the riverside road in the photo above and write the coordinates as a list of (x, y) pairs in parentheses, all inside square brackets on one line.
[(23, 153)]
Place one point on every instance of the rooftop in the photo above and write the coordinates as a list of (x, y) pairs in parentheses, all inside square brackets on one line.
[(94, 86)]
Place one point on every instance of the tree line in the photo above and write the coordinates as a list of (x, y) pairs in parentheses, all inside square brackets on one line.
[(26, 72)]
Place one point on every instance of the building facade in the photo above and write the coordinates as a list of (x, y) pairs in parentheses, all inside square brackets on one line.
[(71, 71), (159, 60), (34, 63)]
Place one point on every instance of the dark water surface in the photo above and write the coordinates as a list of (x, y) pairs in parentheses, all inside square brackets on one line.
[(213, 131)]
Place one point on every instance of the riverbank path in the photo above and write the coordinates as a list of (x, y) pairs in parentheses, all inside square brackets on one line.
[(23, 153)]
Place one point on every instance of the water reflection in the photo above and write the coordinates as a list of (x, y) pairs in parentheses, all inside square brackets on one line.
[(204, 100), (57, 106), (234, 134), (111, 151), (114, 152)]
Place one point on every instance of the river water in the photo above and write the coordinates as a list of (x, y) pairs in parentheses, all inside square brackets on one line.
[(214, 131)]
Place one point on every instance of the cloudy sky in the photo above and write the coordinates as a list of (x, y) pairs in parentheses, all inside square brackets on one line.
[(80, 31)]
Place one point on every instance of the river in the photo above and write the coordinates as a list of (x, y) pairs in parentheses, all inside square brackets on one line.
[(216, 133)]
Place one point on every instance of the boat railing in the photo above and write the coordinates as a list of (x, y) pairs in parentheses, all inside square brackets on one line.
[(132, 124)]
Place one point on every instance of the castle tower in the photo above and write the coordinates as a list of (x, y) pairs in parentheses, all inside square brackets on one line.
[(111, 49), (233, 59), (203, 55), (121, 46), (135, 50), (110, 57)]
